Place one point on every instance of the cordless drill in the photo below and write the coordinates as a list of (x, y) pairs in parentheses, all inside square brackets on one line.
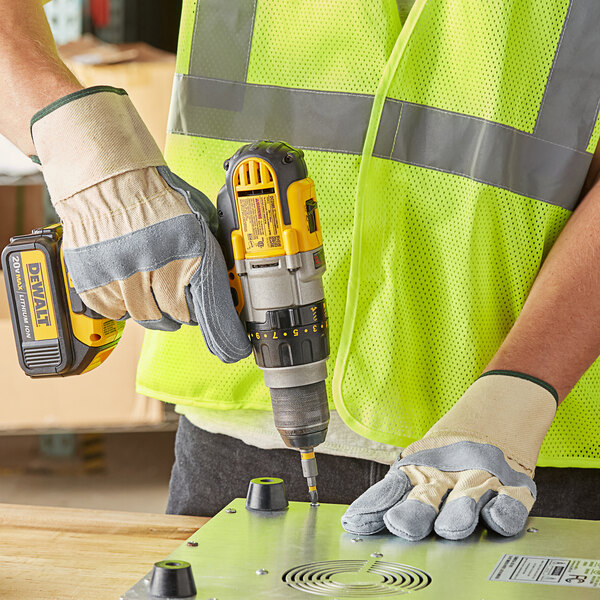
[(271, 237)]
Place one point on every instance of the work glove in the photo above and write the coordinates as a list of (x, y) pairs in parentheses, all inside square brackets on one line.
[(479, 458), (138, 241)]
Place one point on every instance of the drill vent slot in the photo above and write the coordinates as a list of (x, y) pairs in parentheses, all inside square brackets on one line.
[(356, 578), (257, 192), (255, 174)]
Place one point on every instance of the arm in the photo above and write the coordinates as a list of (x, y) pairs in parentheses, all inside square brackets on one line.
[(31, 71), (557, 335)]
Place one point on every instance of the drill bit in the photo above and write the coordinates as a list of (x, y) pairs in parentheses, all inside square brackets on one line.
[(309, 470)]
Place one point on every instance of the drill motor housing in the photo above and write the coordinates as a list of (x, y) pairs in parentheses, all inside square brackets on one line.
[(271, 237)]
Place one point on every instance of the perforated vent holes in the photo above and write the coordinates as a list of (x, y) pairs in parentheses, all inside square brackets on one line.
[(474, 66), (446, 264), (366, 31)]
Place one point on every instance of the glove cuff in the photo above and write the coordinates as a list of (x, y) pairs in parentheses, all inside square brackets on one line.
[(90, 136), (526, 377), (511, 411)]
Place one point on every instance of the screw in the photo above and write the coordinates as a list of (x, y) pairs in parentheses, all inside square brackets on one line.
[(231, 511), (192, 544), (357, 539), (532, 530), (376, 555), (262, 572), (288, 158), (226, 165)]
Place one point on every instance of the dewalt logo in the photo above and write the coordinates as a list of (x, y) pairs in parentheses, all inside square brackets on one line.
[(38, 294)]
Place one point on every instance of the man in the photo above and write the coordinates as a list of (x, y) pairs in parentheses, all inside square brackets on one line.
[(463, 133)]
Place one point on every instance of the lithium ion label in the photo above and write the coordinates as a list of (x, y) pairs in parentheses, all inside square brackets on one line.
[(548, 570)]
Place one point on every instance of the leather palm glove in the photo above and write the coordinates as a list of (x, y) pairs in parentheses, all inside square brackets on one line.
[(138, 241), (479, 458)]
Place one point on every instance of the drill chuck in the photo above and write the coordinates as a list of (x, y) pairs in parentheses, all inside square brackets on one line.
[(291, 346), (301, 414)]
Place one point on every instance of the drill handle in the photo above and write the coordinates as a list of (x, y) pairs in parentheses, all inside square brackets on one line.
[(228, 223)]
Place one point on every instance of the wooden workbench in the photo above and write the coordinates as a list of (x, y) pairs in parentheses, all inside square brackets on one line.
[(64, 553)]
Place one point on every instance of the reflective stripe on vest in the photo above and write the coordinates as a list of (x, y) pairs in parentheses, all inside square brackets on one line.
[(547, 165), (408, 133)]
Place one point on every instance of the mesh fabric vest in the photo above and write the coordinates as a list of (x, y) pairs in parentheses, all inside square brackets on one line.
[(448, 149)]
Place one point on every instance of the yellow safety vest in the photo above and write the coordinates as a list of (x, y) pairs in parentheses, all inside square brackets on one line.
[(448, 151)]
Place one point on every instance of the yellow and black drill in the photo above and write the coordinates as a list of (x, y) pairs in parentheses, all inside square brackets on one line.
[(271, 237)]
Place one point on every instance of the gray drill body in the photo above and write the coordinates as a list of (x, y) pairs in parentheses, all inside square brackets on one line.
[(282, 299), (298, 392)]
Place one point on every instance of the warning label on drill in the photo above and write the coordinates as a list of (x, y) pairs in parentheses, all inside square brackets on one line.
[(260, 225), (548, 570)]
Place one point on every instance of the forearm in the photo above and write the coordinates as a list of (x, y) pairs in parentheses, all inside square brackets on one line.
[(31, 71), (557, 335)]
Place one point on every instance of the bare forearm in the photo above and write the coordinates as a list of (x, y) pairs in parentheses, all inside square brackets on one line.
[(557, 334), (31, 72)]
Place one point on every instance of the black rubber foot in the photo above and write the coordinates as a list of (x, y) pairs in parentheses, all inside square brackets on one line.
[(266, 493), (172, 579)]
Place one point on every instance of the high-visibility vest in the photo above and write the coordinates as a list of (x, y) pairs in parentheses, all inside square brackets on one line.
[(448, 151)]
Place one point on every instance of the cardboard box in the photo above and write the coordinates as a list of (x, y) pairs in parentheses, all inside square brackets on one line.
[(21, 211), (146, 73), (103, 398)]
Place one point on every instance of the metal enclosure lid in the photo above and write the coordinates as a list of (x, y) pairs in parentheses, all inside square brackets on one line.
[(303, 553)]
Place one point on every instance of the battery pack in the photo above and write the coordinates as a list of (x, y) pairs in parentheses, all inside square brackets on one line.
[(55, 333)]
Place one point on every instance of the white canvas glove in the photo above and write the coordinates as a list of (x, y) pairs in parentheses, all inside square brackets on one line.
[(479, 458), (138, 240)]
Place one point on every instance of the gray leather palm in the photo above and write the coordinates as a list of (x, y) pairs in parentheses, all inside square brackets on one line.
[(385, 505)]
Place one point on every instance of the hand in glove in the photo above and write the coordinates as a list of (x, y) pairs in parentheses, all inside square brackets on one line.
[(138, 240), (479, 458)]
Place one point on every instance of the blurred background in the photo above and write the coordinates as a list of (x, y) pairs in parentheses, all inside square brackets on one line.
[(88, 441)]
